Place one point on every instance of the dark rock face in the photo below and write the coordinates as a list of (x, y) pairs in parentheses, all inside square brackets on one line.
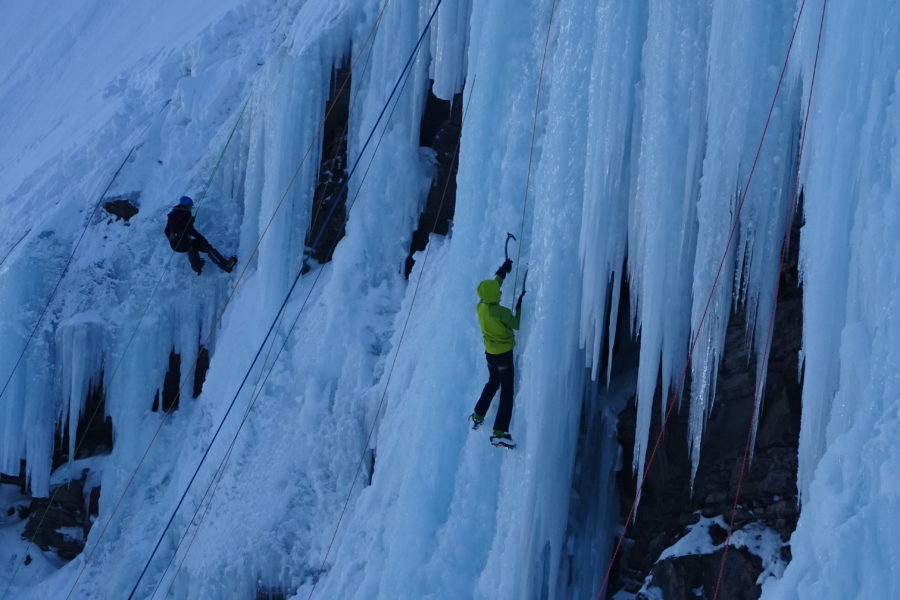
[(19, 480), (331, 194), (169, 397), (768, 494), (200, 369), (61, 523), (171, 385), (440, 130), (270, 593), (692, 577), (94, 434), (123, 207)]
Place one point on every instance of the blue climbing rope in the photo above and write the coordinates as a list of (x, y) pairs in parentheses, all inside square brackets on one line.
[(287, 297)]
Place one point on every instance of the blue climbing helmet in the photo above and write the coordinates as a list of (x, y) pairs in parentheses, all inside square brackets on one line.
[(185, 201)]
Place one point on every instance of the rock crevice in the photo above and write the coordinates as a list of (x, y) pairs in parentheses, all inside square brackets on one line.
[(768, 496)]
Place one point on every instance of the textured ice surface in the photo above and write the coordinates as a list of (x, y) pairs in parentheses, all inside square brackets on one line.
[(650, 116)]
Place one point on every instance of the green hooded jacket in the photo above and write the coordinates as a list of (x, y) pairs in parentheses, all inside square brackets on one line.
[(497, 322)]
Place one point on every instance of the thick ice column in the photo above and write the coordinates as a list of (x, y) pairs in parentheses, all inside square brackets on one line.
[(433, 477), (13, 336), (449, 45), (742, 75), (613, 120), (80, 356), (662, 219), (850, 260), (531, 540), (835, 145), (30, 407), (380, 194), (282, 172)]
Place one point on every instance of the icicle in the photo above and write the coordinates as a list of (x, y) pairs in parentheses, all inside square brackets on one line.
[(850, 265), (291, 115), (662, 226), (80, 356), (449, 48), (742, 81), (610, 171)]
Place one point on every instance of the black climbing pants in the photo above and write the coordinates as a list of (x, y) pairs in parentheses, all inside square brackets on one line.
[(200, 244), (502, 375)]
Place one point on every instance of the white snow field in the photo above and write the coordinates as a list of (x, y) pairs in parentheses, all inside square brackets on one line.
[(650, 116)]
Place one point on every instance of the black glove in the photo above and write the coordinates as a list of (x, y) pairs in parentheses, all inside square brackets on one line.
[(504, 269)]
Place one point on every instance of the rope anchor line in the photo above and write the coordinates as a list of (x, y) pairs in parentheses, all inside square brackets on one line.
[(232, 293), (43, 313), (676, 393), (757, 397), (401, 78), (537, 106), (215, 482)]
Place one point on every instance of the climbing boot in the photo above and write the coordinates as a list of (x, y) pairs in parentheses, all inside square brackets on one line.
[(229, 264), (502, 439), (477, 421)]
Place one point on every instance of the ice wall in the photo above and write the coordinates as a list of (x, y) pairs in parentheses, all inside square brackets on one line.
[(459, 519), (678, 118), (173, 95), (851, 276), (745, 187), (650, 119), (643, 165), (99, 95)]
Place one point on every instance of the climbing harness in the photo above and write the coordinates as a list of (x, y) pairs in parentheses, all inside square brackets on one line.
[(676, 392)]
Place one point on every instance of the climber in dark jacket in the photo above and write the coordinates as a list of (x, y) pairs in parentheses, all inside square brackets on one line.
[(184, 238), (497, 326)]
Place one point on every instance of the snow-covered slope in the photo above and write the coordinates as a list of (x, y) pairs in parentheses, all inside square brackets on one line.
[(650, 117)]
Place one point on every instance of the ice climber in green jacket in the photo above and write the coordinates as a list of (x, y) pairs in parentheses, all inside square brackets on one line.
[(497, 326)]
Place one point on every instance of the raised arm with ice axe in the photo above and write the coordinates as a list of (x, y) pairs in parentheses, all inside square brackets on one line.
[(497, 325)]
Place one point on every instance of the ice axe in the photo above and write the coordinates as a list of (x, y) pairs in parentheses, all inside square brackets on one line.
[(506, 246), (522, 295)]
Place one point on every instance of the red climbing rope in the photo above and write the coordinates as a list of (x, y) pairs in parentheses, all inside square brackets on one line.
[(676, 392), (757, 397)]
